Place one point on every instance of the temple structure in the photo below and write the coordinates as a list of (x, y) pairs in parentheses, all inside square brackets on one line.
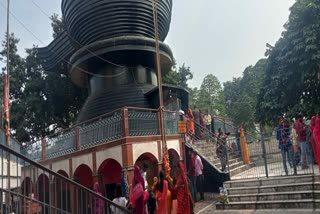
[(108, 47)]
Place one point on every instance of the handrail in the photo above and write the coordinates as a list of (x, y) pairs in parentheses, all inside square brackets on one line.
[(31, 199), (7, 149), (95, 119), (139, 108)]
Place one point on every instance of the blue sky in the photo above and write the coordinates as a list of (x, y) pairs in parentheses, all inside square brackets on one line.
[(220, 37)]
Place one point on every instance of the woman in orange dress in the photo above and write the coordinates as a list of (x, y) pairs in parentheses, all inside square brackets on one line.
[(191, 122), (162, 189)]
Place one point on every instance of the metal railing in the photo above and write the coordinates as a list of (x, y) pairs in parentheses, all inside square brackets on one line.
[(270, 156), (36, 189), (143, 122), (171, 119), (265, 155), (219, 151), (104, 130), (100, 130)]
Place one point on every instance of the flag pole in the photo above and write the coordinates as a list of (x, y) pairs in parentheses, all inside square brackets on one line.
[(7, 108)]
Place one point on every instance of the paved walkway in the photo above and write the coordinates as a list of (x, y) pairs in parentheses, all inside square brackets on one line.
[(210, 200)]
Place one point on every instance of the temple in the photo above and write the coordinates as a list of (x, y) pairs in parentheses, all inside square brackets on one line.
[(108, 47)]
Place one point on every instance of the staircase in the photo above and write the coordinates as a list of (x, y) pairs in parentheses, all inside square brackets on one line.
[(208, 151), (293, 192)]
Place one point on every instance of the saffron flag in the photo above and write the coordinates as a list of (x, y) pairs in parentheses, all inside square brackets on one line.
[(6, 105)]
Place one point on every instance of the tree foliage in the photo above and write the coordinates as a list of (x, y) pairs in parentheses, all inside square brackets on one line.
[(57, 24), (179, 77), (210, 96), (41, 102), (241, 94), (291, 82)]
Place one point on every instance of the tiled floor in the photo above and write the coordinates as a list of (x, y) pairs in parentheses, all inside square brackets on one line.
[(205, 206)]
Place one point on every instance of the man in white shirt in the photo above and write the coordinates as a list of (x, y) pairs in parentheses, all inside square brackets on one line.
[(199, 176), (207, 122)]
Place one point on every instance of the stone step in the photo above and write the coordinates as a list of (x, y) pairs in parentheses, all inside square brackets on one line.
[(271, 181), (275, 196), (274, 188), (287, 204), (230, 162), (207, 153), (239, 169), (231, 166)]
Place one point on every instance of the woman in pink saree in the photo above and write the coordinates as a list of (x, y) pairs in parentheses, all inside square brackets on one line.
[(137, 192), (162, 194), (97, 202)]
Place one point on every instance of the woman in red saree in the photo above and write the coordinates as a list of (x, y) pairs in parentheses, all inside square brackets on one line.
[(162, 194), (183, 194), (313, 142), (137, 191), (316, 137)]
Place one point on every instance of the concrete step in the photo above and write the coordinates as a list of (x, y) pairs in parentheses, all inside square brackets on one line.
[(231, 166), (230, 162), (274, 188), (275, 196), (287, 204), (271, 181), (235, 165), (239, 169)]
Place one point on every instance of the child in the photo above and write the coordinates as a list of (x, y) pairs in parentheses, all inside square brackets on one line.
[(119, 200)]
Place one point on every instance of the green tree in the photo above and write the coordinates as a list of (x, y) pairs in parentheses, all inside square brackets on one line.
[(291, 83), (41, 102), (193, 96), (17, 79), (211, 96), (241, 94), (172, 77), (57, 24), (184, 75), (179, 77)]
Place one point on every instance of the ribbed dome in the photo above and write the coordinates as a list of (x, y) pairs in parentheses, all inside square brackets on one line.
[(89, 21)]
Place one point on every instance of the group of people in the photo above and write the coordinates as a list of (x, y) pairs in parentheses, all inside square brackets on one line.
[(195, 173), (199, 125), (165, 195), (305, 133)]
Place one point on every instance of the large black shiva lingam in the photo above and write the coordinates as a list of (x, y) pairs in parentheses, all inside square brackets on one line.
[(110, 48)]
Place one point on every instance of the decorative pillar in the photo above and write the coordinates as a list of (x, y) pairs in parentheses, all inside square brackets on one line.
[(128, 166), (159, 122), (125, 122), (43, 148), (78, 143)]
